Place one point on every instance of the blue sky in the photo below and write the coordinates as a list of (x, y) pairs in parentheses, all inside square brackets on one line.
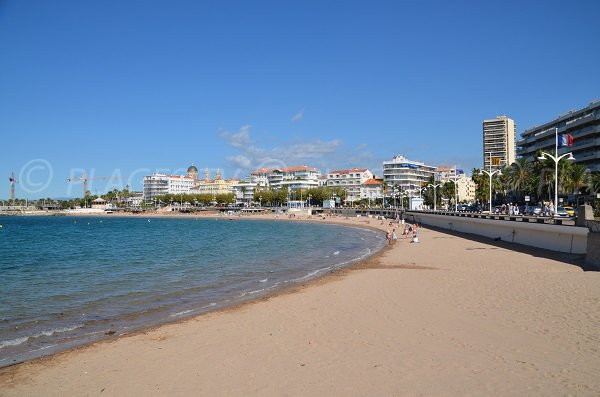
[(133, 87)]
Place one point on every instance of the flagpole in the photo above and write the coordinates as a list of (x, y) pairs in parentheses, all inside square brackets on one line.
[(556, 170)]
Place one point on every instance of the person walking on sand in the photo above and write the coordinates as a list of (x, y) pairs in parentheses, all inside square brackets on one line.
[(394, 237), (388, 237)]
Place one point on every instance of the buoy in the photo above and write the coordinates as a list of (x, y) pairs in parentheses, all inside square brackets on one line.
[(0, 226)]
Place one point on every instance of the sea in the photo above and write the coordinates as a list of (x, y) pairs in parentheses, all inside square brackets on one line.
[(68, 281)]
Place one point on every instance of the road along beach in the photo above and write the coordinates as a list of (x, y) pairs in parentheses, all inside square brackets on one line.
[(446, 316)]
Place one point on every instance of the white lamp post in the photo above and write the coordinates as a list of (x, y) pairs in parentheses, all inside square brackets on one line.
[(491, 173), (556, 159), (434, 186)]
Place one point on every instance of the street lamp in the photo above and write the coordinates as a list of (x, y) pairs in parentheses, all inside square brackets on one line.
[(491, 173), (434, 186), (556, 159)]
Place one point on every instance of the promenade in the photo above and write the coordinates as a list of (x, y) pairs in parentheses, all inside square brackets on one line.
[(448, 316)]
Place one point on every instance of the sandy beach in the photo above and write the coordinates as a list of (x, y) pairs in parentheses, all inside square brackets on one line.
[(450, 316)]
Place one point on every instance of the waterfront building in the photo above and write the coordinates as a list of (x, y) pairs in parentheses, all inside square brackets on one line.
[(350, 180), (293, 178), (583, 125), (405, 173), (243, 191), (445, 174), (99, 204), (215, 186), (465, 186), (323, 180), (160, 184), (371, 189), (499, 137)]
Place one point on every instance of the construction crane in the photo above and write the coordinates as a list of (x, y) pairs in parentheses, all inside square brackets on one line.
[(12, 187), (84, 178)]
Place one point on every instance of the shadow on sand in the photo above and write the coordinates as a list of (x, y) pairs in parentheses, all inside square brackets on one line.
[(572, 259)]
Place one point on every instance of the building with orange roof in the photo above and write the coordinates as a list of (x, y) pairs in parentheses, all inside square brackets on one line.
[(371, 189), (350, 180)]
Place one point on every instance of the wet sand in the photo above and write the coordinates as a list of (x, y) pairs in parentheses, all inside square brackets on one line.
[(445, 317)]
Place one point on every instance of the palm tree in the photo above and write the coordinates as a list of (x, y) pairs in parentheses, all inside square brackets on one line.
[(577, 178), (519, 177), (481, 180), (595, 182)]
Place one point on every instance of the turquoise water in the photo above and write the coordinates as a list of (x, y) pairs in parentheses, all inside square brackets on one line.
[(66, 281)]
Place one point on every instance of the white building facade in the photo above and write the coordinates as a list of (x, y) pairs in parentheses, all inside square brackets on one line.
[(371, 189), (465, 186), (244, 192), (294, 178), (350, 180), (160, 184), (407, 174)]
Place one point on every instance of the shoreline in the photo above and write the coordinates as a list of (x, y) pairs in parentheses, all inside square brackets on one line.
[(447, 316), (222, 306)]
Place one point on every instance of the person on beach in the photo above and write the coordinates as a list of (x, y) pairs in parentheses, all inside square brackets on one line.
[(388, 237), (394, 237), (415, 238)]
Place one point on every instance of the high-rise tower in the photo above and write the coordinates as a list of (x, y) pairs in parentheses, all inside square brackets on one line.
[(499, 137)]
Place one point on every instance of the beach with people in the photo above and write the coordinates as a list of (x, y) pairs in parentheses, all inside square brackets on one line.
[(452, 315)]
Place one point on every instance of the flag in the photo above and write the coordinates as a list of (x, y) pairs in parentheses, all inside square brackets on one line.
[(565, 140), (459, 171)]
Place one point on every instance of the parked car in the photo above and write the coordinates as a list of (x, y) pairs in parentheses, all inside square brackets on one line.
[(533, 210), (570, 210), (561, 212), (474, 208)]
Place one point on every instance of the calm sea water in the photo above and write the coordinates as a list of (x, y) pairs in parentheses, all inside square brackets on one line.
[(66, 281)]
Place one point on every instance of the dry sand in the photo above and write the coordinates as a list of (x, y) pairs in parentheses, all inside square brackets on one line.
[(450, 316)]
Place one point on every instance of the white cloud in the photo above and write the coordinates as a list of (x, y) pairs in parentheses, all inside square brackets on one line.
[(239, 139), (298, 116), (316, 153)]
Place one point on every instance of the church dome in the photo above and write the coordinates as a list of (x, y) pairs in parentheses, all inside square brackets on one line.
[(192, 168)]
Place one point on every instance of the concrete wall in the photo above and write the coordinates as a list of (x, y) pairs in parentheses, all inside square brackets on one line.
[(561, 238)]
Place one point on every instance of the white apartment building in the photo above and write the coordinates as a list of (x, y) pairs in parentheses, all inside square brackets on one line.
[(350, 180), (244, 192), (465, 186), (371, 189), (406, 174), (160, 184), (293, 178), (499, 141)]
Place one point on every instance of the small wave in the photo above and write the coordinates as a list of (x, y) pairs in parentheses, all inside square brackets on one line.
[(23, 339), (180, 313), (13, 342), (264, 280), (209, 305), (336, 253), (312, 274), (243, 294)]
